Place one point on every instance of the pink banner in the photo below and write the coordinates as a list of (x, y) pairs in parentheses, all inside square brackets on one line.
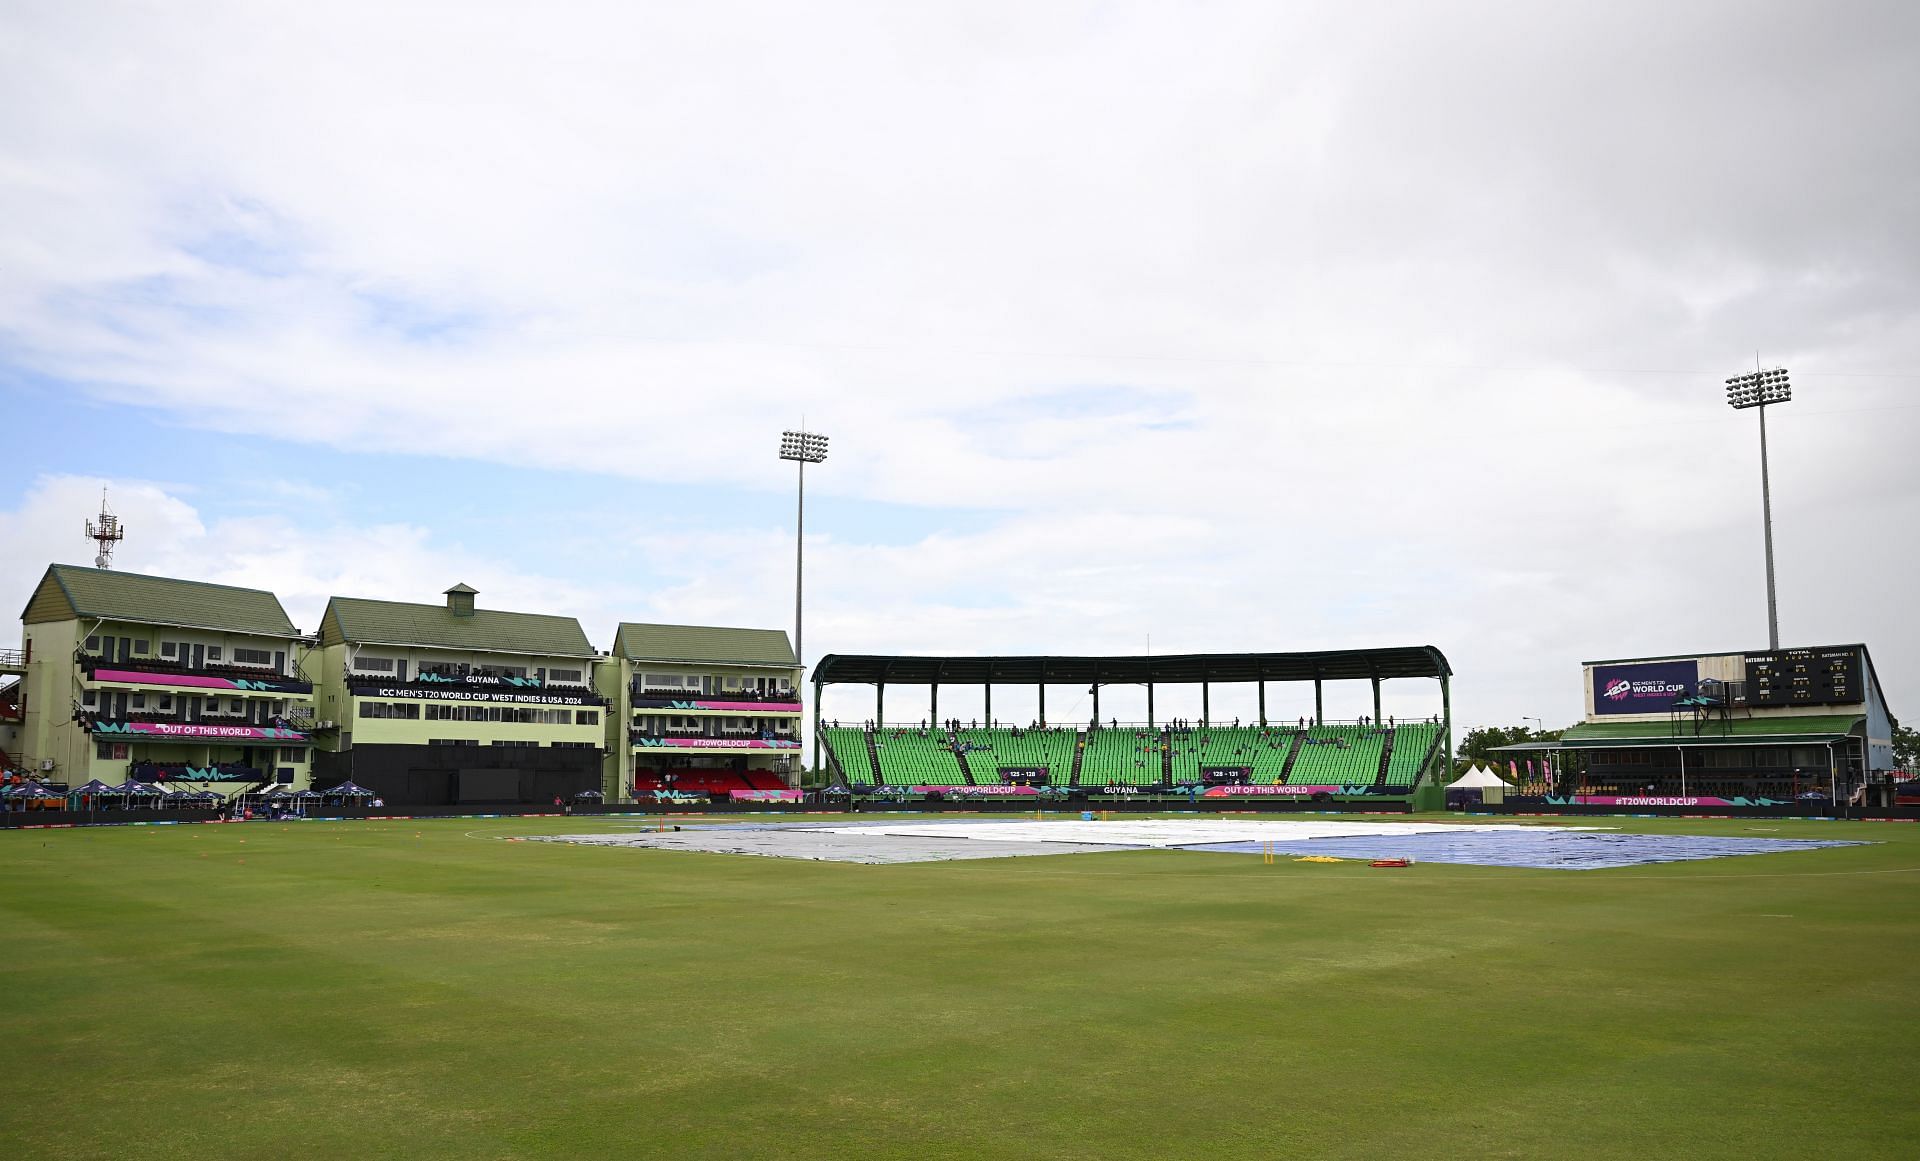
[(749, 707), (767, 795), (1270, 791), (266, 683), (715, 744), (198, 730), (995, 791)]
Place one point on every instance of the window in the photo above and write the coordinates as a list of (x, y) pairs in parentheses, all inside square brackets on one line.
[(293, 754), (88, 698), (453, 742), (403, 710), (513, 671), (253, 656), (169, 648), (374, 664), (236, 706), (93, 645), (586, 717), (140, 646), (137, 701), (567, 675), (667, 680), (519, 745), (103, 750), (166, 701), (213, 653), (570, 746)]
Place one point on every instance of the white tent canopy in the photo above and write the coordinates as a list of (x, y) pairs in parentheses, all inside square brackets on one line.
[(1478, 778)]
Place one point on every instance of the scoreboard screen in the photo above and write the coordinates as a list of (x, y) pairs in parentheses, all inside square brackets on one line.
[(1805, 677)]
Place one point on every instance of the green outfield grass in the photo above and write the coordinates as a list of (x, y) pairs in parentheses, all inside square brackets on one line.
[(392, 989)]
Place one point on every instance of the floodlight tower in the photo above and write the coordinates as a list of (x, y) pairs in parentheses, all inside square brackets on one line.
[(105, 532), (803, 448), (1758, 390)]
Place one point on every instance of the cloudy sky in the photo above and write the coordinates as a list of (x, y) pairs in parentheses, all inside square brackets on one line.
[(1204, 326)]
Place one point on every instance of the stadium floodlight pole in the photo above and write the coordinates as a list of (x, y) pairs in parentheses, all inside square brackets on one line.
[(803, 448), (1758, 390)]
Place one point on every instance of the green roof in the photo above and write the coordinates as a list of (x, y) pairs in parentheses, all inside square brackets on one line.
[(704, 643), (1738, 731), (70, 591), (435, 626)]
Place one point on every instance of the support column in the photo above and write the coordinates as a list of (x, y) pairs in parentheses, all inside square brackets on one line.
[(1376, 701), (1263, 705), (879, 704), (816, 733), (1149, 705), (1096, 704), (1446, 714), (1206, 703), (1043, 703), (1319, 704), (934, 709), (989, 688)]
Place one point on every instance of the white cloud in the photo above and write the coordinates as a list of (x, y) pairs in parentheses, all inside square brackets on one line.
[(1393, 277)]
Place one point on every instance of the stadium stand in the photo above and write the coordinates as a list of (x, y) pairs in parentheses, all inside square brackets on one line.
[(1387, 760), (1339, 756), (1412, 749), (1129, 757), (988, 750), (1264, 750), (912, 757), (849, 748)]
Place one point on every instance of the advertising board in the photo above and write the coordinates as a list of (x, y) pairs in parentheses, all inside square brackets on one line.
[(1644, 687)]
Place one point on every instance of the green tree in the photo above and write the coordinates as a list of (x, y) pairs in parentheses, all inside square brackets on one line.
[(1906, 747)]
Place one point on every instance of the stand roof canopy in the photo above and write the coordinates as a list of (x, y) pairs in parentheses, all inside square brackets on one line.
[(1169, 669)]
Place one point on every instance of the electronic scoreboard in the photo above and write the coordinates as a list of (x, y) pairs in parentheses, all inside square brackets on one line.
[(1829, 676)]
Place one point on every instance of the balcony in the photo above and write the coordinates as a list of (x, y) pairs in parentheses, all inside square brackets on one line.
[(473, 687), (719, 701), (691, 741), (156, 673), (201, 732)]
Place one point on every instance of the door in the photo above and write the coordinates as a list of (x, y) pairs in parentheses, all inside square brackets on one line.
[(280, 661), (199, 655)]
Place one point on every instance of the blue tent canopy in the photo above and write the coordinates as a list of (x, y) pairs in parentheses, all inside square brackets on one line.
[(348, 790)]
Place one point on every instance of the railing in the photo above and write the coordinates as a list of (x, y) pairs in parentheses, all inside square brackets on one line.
[(13, 658)]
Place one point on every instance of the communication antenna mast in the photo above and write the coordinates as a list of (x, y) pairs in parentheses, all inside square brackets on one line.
[(105, 532)]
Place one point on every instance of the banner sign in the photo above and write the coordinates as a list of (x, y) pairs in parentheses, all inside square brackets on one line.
[(1278, 791), (1647, 800), (977, 791), (715, 744), (732, 707), (1645, 688), (1226, 775), (767, 795), (496, 696), (477, 679), (1656, 800), (198, 731), (1024, 775), (195, 681)]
